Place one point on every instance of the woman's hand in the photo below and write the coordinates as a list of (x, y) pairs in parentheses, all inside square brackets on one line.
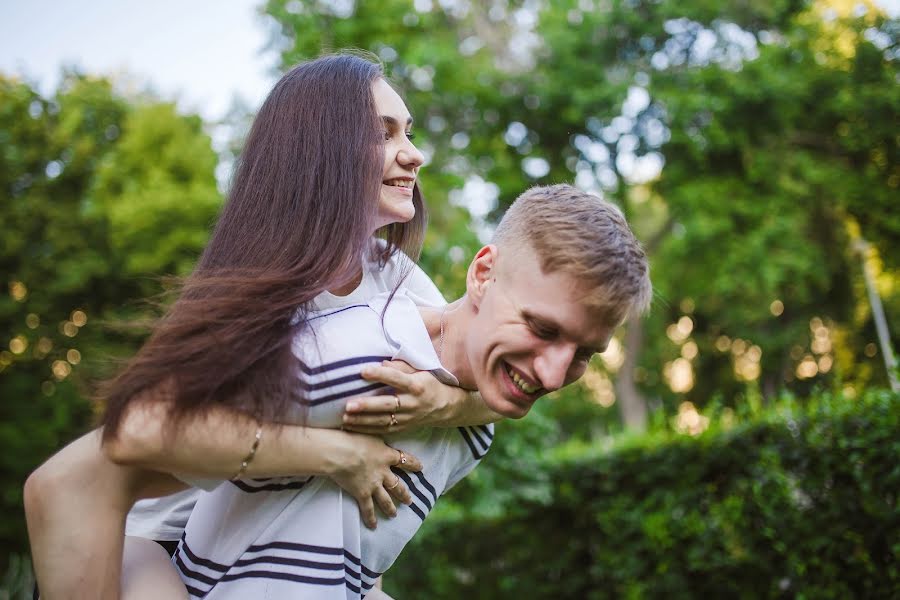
[(421, 401), (364, 471)]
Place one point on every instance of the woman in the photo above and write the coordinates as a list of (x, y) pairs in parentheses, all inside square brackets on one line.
[(327, 163)]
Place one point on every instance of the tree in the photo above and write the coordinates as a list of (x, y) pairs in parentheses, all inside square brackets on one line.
[(100, 194), (767, 116)]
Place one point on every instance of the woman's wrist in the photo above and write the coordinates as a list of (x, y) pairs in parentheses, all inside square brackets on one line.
[(336, 451), (451, 405), (467, 408)]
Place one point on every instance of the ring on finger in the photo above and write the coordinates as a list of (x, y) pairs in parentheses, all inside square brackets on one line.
[(401, 460), (395, 484), (397, 398), (393, 420)]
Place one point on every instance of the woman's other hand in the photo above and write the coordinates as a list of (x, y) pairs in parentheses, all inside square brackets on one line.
[(364, 471), (421, 401)]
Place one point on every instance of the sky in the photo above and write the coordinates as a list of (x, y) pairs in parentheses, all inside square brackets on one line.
[(198, 52)]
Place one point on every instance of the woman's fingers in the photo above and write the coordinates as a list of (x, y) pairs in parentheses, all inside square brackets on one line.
[(376, 404), (406, 461), (384, 502), (399, 365), (398, 490), (376, 422), (392, 377), (367, 511)]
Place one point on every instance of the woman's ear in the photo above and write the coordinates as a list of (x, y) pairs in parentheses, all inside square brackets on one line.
[(481, 273)]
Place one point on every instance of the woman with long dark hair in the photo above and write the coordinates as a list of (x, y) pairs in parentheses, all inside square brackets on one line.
[(327, 163)]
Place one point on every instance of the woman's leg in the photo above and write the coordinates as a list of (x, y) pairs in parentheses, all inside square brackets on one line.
[(148, 572)]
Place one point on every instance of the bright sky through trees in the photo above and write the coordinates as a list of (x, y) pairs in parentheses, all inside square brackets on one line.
[(201, 52)]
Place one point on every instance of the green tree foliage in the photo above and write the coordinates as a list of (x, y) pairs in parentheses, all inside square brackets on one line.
[(772, 120), (100, 195)]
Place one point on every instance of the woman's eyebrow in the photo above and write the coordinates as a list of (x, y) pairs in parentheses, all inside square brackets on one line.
[(392, 122)]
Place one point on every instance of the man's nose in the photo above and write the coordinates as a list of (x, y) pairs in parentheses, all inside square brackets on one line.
[(552, 364)]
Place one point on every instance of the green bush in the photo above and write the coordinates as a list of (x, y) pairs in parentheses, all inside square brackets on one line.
[(802, 502)]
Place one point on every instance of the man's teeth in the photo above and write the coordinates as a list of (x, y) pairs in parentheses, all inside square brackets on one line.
[(521, 383), (404, 183)]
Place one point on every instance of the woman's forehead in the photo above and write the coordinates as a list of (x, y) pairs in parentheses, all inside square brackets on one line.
[(389, 104)]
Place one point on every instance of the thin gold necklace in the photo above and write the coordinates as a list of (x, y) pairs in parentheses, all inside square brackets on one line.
[(441, 338)]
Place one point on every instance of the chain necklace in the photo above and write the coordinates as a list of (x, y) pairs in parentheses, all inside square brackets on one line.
[(441, 338)]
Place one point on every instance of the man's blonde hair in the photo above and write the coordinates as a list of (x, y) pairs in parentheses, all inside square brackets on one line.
[(586, 237)]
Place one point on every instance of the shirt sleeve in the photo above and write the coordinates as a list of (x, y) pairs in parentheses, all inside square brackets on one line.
[(204, 483), (422, 287)]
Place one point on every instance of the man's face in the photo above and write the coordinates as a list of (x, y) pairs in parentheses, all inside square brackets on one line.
[(531, 335)]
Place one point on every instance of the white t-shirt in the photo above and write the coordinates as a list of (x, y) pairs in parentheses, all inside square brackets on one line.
[(302, 537), (164, 518)]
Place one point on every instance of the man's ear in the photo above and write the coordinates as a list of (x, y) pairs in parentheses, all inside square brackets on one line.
[(481, 273)]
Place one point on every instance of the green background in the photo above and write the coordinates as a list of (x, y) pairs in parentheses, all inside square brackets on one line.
[(776, 123)]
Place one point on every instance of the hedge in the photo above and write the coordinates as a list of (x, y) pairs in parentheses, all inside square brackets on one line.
[(801, 502)]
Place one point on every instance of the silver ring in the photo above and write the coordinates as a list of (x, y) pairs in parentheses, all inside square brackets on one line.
[(393, 420)]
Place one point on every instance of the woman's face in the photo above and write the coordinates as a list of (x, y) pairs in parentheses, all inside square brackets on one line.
[(401, 158)]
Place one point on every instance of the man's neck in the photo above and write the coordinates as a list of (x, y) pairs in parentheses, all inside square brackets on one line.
[(453, 319)]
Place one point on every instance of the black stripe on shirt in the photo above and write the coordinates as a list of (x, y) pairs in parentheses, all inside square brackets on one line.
[(366, 571), (295, 562), (468, 439), (244, 486), (425, 482), (349, 393), (476, 435), (414, 488), (192, 574), (347, 362), (418, 494), (334, 312), (189, 573), (284, 577), (296, 547), (203, 562), (315, 387)]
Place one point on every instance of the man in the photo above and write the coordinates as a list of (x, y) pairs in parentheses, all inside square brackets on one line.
[(564, 271)]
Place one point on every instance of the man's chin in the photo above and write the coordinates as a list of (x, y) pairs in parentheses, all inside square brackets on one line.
[(507, 408)]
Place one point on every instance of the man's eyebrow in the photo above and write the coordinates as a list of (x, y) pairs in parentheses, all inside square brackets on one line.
[(392, 122), (540, 320)]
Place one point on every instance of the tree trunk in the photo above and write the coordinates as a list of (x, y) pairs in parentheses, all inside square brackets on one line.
[(632, 404)]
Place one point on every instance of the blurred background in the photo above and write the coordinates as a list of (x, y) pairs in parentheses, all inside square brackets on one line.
[(741, 440)]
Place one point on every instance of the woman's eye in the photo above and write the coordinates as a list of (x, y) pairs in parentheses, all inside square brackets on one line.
[(410, 135), (387, 135)]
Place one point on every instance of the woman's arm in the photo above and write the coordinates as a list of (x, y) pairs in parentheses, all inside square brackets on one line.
[(77, 501), (421, 401), (214, 444)]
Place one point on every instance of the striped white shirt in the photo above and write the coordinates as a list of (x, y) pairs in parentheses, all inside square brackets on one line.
[(164, 518), (302, 537)]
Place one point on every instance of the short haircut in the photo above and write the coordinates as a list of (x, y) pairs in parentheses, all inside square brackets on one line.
[(586, 237)]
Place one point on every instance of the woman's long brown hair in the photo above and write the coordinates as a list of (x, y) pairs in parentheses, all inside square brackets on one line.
[(298, 219)]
